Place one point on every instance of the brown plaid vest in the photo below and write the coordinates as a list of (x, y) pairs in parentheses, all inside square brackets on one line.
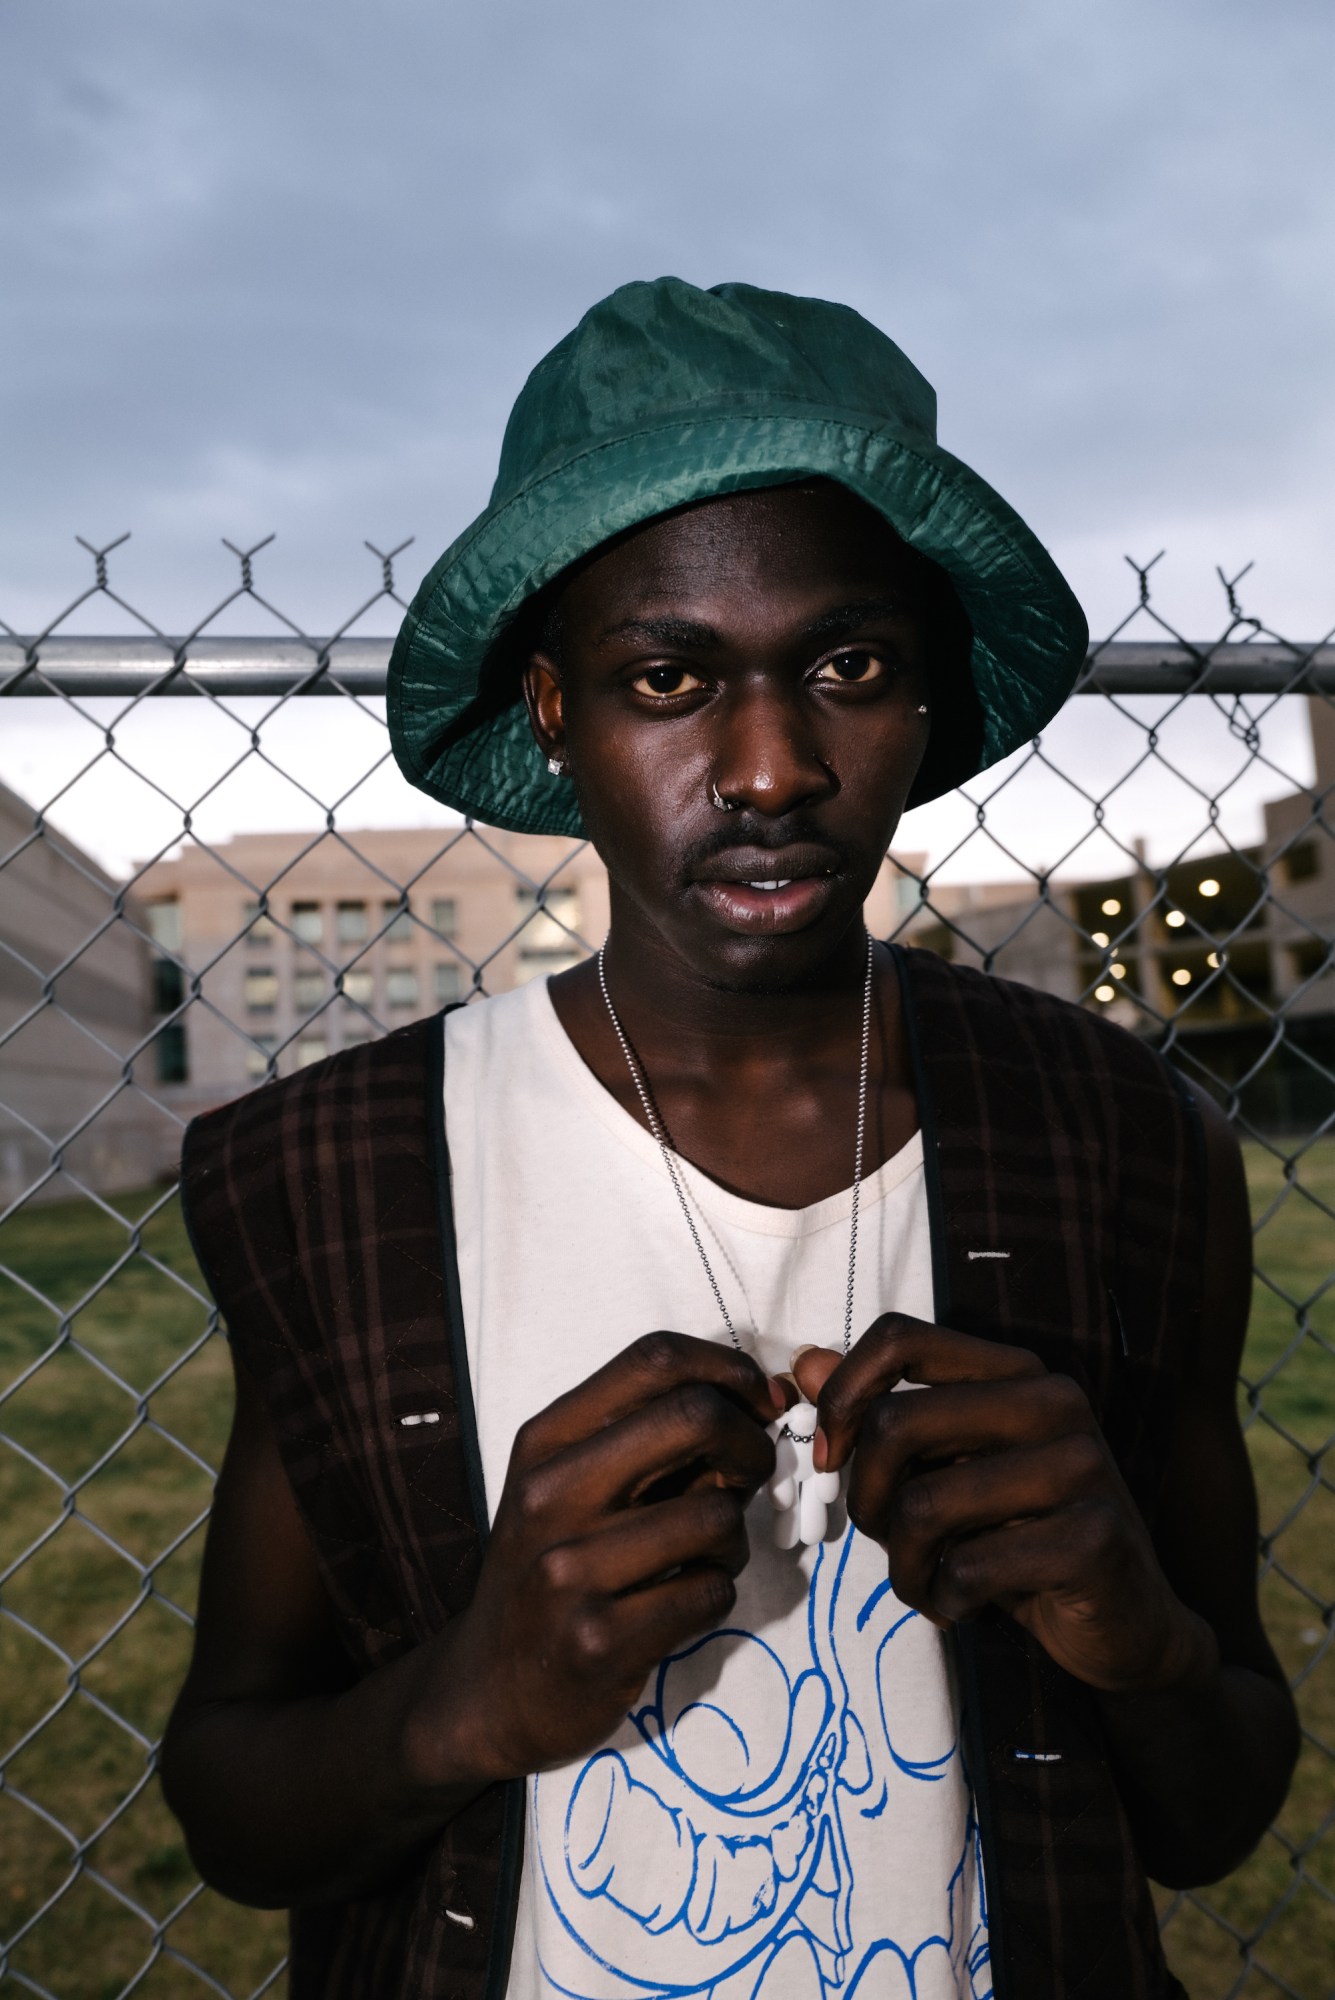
[(1065, 1183)]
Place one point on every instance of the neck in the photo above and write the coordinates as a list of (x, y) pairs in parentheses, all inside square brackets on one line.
[(708, 1027), (759, 1089)]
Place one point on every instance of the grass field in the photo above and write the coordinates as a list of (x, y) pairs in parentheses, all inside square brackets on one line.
[(114, 1571)]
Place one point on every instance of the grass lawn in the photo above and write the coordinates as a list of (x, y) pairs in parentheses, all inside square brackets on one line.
[(139, 1410)]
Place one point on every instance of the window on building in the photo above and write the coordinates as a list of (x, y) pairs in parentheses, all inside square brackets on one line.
[(352, 924), (261, 989), (546, 942), (1301, 862), (401, 986), (308, 990), (168, 986), (549, 923), (355, 1033), (164, 923), (170, 1057), (449, 984), (261, 927), (398, 920), (258, 1056), (444, 916), (359, 987), (308, 922), (1309, 958), (311, 1049)]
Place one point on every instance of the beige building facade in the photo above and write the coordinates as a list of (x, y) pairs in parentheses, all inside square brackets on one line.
[(278, 949), (78, 1064)]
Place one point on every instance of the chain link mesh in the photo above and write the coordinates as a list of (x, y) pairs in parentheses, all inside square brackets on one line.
[(131, 996)]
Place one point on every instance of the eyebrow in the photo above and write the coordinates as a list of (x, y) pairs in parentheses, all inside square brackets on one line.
[(695, 636)]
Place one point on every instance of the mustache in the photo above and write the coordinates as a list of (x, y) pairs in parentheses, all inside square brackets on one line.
[(750, 829)]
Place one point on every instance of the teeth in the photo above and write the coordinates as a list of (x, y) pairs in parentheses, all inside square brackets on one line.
[(769, 885)]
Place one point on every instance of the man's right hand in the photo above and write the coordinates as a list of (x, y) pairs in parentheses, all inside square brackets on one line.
[(616, 1541)]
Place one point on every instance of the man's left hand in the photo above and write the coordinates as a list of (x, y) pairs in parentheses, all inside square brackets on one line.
[(997, 1488)]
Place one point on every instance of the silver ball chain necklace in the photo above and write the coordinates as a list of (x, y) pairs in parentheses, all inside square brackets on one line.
[(800, 1495)]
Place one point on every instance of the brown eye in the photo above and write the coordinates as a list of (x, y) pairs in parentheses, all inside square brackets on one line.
[(851, 669), (666, 681)]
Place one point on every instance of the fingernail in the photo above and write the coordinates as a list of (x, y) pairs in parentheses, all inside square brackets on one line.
[(778, 1399), (820, 1450)]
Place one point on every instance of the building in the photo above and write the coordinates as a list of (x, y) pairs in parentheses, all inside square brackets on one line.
[(77, 1062), (1203, 954), (273, 950)]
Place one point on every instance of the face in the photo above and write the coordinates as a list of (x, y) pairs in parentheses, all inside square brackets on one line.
[(739, 700)]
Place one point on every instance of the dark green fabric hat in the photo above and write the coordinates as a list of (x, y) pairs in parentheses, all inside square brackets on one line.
[(663, 395)]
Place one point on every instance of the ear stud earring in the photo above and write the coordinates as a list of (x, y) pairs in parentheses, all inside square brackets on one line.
[(922, 708), (557, 766)]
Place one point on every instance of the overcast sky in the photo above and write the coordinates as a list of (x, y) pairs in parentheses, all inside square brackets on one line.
[(284, 268)]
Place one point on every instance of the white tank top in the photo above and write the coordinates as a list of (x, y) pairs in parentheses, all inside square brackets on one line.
[(785, 1813)]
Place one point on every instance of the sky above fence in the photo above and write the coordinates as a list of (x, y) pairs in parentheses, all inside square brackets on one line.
[(285, 269)]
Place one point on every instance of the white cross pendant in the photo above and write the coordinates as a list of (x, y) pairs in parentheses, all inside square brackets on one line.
[(800, 1496)]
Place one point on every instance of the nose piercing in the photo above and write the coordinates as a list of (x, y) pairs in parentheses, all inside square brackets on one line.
[(724, 805)]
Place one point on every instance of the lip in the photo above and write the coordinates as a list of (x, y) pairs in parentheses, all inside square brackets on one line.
[(807, 873), (797, 862), (765, 912)]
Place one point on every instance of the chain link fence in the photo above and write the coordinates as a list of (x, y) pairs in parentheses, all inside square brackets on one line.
[(206, 880)]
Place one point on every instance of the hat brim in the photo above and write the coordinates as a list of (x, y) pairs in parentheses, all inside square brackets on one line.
[(1029, 633)]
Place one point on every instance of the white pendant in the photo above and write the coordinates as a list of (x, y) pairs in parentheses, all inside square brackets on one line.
[(800, 1496)]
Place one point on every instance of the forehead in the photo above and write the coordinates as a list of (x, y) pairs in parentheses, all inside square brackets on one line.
[(799, 542)]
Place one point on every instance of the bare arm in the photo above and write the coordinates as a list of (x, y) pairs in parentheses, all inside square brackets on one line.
[(616, 1540)]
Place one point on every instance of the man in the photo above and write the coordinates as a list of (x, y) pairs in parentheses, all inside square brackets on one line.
[(840, 1347)]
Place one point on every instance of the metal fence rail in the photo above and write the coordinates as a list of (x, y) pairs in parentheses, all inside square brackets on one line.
[(1166, 853)]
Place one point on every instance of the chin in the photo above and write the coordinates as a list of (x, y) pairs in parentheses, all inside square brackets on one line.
[(784, 964)]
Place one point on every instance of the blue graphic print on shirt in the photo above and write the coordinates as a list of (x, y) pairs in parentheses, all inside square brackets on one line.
[(735, 1851)]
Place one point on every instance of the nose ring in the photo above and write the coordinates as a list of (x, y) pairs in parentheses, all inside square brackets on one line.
[(724, 805)]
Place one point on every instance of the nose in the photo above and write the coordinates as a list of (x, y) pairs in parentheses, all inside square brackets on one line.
[(767, 757)]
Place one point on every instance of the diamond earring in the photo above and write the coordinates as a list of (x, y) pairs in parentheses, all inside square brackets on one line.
[(556, 765)]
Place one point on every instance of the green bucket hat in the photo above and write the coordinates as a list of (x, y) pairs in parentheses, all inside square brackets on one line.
[(664, 395)]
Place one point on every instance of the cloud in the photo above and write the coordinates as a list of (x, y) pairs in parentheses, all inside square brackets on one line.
[(286, 269)]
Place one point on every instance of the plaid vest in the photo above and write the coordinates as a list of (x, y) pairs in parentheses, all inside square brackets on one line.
[(1065, 1184)]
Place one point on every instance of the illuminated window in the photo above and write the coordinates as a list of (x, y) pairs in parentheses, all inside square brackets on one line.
[(1181, 977), (261, 926), (261, 989), (307, 922), (401, 987), (1105, 993), (1111, 907), (311, 1049), (257, 1057), (359, 987), (1209, 887), (398, 920), (1175, 920), (352, 925), (1099, 938)]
